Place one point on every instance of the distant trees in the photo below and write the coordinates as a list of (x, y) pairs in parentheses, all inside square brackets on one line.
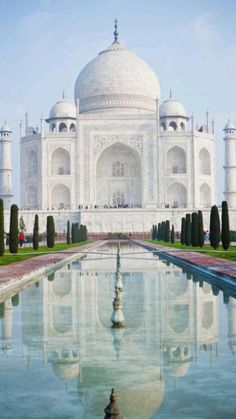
[(2, 247), (35, 238), (13, 231), (50, 231), (225, 231), (214, 227)]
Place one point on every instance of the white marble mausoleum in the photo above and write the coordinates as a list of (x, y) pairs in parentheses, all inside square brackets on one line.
[(116, 158)]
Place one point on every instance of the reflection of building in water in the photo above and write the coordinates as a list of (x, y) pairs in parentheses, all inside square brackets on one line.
[(7, 327), (232, 324), (167, 319)]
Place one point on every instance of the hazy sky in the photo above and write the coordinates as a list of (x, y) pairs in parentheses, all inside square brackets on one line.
[(190, 44)]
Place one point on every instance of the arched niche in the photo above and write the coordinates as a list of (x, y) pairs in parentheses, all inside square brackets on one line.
[(72, 127), (62, 127), (204, 162), (60, 197), (62, 318), (179, 317), (32, 163), (163, 126), (53, 127), (60, 162), (207, 314), (182, 126), (176, 160), (177, 196), (205, 195), (172, 126), (32, 197), (118, 177)]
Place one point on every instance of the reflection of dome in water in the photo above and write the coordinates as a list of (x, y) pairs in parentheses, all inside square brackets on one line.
[(178, 370), (65, 369)]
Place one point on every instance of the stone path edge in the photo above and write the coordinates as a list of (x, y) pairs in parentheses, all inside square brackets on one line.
[(222, 270), (32, 270)]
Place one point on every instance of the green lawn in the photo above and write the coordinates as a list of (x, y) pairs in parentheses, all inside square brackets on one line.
[(28, 252), (229, 254)]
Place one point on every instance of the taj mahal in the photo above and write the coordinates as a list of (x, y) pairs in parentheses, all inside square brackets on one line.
[(117, 159)]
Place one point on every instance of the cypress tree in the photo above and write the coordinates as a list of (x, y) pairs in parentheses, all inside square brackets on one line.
[(167, 231), (153, 232), (194, 230), (81, 233), (172, 235), (73, 233), (36, 233), (214, 227), (188, 230), (159, 232), (2, 248), (86, 233), (225, 231), (163, 229), (68, 241), (201, 234), (50, 231), (13, 233), (183, 230)]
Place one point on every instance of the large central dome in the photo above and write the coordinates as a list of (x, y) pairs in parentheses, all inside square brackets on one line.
[(117, 78)]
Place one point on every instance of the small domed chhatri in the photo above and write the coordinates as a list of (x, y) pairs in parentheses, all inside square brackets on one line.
[(63, 109)]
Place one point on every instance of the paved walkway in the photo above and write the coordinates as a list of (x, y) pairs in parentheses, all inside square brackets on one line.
[(14, 272), (212, 264)]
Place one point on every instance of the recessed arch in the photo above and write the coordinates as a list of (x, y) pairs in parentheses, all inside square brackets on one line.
[(182, 126), (32, 163), (118, 176), (72, 127), (176, 160), (63, 127), (207, 314), (32, 197), (204, 162), (176, 195), (60, 162), (179, 317), (60, 197), (163, 126), (205, 195), (53, 127), (172, 126)]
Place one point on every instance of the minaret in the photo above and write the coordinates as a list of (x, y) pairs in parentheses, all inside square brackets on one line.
[(5, 166), (230, 164)]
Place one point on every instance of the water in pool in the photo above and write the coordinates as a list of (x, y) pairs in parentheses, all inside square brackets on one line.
[(174, 358)]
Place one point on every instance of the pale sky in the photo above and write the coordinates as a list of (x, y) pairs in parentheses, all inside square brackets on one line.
[(191, 45)]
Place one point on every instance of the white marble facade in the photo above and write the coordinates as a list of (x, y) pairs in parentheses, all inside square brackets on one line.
[(118, 147)]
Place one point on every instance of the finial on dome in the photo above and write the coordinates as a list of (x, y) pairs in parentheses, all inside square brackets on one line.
[(63, 94), (170, 94), (115, 33)]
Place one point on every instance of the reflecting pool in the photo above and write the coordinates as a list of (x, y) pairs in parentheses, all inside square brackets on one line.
[(174, 358)]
